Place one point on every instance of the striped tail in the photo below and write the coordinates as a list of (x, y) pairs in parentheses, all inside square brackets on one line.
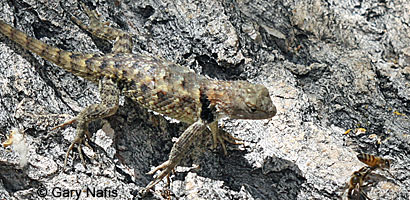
[(70, 61)]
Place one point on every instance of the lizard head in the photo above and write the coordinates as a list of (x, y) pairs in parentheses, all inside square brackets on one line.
[(244, 100), (252, 101)]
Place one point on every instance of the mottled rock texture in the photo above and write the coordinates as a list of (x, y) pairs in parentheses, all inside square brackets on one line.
[(330, 66)]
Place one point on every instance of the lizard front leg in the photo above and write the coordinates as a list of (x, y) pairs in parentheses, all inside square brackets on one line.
[(109, 94), (178, 152)]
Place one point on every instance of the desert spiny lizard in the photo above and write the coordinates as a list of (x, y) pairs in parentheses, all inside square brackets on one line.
[(156, 84)]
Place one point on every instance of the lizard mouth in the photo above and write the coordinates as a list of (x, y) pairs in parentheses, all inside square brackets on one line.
[(263, 114)]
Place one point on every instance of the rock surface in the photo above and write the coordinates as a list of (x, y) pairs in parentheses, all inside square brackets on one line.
[(329, 66)]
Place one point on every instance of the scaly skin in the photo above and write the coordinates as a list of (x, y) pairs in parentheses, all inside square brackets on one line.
[(156, 84)]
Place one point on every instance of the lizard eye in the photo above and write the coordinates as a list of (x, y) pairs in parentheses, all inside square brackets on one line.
[(253, 109)]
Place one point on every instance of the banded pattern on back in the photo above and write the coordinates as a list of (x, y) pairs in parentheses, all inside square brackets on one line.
[(161, 86)]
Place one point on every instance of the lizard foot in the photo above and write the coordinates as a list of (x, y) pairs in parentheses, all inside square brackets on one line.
[(221, 137), (167, 167), (224, 136), (81, 139)]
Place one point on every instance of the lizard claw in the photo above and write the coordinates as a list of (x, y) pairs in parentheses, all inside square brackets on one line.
[(167, 167), (221, 136), (80, 139)]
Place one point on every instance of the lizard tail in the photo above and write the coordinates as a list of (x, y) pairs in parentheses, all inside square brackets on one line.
[(70, 61)]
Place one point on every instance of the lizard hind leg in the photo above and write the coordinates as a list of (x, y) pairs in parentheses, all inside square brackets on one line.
[(109, 94), (123, 41)]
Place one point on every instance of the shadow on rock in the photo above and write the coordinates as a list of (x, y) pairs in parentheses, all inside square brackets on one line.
[(276, 179)]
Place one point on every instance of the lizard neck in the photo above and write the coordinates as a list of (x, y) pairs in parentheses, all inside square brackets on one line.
[(215, 98)]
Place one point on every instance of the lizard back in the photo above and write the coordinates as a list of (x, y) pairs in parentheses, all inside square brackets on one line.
[(156, 84)]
